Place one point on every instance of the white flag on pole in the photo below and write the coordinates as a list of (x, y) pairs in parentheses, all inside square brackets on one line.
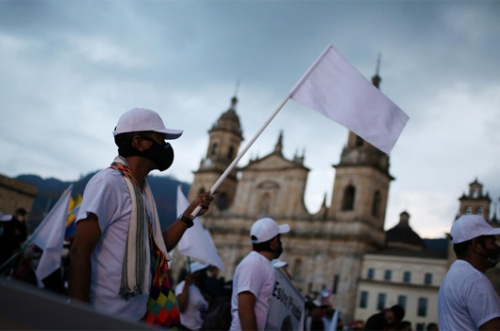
[(49, 236), (334, 88), (196, 241)]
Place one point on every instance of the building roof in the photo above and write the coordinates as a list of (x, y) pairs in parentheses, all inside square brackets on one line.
[(403, 234), (396, 251)]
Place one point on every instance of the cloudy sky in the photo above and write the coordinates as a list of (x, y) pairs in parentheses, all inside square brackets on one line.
[(69, 69)]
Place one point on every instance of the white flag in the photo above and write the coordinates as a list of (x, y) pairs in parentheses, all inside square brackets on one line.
[(334, 88), (334, 321), (196, 241), (49, 236)]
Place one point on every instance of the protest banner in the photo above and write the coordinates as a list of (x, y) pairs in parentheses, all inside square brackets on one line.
[(287, 305)]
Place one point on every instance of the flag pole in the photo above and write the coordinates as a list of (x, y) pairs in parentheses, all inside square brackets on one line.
[(243, 151)]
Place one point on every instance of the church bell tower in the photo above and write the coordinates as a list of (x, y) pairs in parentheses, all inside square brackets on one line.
[(225, 138)]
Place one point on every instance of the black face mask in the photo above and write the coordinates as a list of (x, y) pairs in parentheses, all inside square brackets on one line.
[(279, 251), (162, 156), (493, 256)]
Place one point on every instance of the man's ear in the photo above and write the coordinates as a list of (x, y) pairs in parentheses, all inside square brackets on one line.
[(477, 247), (137, 143), (274, 243)]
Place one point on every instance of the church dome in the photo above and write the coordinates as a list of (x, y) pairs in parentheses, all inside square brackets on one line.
[(403, 235), (230, 114)]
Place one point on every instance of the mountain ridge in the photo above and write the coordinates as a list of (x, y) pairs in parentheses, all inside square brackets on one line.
[(49, 190)]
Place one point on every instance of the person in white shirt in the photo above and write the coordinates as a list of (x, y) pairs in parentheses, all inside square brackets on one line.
[(467, 299), (119, 252), (192, 303), (254, 276)]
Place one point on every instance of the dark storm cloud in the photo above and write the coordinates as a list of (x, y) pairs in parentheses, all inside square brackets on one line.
[(70, 68)]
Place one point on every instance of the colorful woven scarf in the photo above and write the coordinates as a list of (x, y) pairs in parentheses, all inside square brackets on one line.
[(147, 255), (136, 262)]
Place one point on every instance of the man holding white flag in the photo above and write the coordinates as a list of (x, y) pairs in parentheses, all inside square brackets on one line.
[(119, 253)]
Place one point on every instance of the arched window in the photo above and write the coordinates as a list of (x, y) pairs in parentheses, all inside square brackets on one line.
[(468, 210), (222, 200), (376, 204), (201, 190), (230, 153), (214, 149), (348, 200), (479, 211)]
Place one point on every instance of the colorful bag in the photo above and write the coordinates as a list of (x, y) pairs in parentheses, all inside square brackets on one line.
[(162, 307)]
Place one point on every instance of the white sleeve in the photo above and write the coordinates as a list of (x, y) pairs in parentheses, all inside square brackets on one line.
[(483, 303)]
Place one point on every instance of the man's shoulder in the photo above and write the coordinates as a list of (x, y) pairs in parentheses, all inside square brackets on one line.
[(106, 176), (463, 269), (254, 263)]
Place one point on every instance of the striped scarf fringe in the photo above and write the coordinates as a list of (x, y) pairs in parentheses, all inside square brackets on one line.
[(137, 259)]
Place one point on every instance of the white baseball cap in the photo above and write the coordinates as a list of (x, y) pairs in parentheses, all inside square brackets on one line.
[(197, 266), (265, 229), (468, 227), (140, 119), (5, 218)]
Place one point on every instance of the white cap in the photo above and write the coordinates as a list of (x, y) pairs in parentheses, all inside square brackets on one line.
[(266, 229), (197, 266), (468, 227), (140, 119), (5, 218)]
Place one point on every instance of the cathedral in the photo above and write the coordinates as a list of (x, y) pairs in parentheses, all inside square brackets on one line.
[(323, 250)]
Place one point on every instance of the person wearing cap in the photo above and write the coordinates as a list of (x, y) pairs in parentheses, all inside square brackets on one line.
[(254, 277), (119, 251), (192, 303), (467, 299)]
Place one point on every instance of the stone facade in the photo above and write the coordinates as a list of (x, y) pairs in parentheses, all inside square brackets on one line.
[(15, 194), (325, 249)]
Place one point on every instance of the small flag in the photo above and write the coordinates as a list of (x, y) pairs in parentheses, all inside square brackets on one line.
[(334, 88), (49, 236), (196, 241)]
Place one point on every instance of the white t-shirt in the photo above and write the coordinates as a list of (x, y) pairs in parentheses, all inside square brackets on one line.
[(107, 196), (466, 298), (256, 275), (196, 309)]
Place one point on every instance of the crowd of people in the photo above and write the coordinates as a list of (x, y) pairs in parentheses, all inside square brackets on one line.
[(118, 261)]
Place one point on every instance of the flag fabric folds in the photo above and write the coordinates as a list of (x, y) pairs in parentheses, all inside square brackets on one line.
[(197, 242), (49, 236), (334, 88)]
